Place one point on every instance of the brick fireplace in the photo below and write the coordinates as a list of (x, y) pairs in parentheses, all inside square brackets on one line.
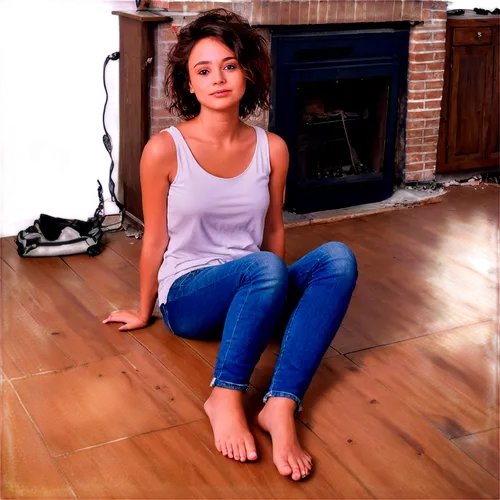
[(418, 111)]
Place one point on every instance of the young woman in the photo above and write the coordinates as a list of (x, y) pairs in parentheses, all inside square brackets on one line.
[(214, 240)]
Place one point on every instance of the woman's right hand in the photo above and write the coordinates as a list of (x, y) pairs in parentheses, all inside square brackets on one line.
[(131, 318)]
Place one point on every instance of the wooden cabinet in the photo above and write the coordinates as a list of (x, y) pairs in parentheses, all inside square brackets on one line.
[(493, 134), (469, 129)]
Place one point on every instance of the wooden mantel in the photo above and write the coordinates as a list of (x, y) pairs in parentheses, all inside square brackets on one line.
[(136, 55)]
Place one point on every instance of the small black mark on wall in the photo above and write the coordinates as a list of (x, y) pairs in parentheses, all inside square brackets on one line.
[(36, 45)]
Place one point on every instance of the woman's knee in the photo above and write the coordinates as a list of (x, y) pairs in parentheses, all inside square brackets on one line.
[(268, 267), (339, 258)]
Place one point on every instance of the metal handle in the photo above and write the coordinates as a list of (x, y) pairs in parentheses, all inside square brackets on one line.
[(479, 35)]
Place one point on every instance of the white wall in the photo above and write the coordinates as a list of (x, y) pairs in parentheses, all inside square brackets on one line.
[(51, 101), (471, 4)]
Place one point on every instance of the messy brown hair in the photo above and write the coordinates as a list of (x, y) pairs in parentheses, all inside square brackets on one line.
[(250, 50)]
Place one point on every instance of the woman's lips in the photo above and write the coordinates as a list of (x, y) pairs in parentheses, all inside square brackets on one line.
[(220, 93)]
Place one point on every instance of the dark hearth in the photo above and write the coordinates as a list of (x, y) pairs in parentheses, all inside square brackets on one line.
[(342, 127), (335, 102)]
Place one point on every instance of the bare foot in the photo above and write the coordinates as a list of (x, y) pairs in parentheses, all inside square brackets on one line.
[(277, 418), (232, 437)]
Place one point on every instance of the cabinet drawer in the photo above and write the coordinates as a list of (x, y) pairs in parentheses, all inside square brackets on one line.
[(473, 36)]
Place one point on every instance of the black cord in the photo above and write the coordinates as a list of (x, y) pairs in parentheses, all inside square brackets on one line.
[(106, 137)]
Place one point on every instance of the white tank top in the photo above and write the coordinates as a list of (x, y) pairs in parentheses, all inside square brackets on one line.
[(212, 220)]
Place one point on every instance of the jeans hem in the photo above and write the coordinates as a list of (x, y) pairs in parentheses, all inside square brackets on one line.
[(281, 394), (228, 385)]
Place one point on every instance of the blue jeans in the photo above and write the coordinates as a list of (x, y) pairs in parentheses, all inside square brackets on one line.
[(247, 299)]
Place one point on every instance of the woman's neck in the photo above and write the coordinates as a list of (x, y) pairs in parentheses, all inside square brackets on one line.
[(219, 127)]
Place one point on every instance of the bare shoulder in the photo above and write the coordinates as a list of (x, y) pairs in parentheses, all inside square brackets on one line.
[(159, 155), (278, 151)]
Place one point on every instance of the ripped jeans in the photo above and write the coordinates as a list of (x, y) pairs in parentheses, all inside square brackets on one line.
[(246, 299)]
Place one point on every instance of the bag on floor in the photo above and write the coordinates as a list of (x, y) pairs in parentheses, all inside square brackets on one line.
[(54, 236)]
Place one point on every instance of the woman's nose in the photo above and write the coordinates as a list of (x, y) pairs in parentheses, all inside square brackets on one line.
[(218, 77)]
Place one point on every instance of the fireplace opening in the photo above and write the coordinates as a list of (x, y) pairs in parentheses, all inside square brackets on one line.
[(335, 100), (342, 127)]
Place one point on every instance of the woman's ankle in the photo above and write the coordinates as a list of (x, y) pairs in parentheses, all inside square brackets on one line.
[(281, 404), (223, 394)]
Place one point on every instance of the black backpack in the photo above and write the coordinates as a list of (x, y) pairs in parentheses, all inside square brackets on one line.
[(54, 236)]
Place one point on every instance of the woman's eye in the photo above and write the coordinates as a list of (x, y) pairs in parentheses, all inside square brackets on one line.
[(231, 66), (203, 72)]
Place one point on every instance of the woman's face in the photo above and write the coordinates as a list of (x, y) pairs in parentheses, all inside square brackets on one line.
[(215, 76)]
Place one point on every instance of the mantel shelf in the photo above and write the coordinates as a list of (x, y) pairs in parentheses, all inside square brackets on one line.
[(145, 16)]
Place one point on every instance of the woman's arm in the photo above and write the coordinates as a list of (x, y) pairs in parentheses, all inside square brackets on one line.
[(274, 230), (156, 166), (157, 163)]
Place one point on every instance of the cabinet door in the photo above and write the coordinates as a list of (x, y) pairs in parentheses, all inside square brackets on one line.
[(470, 105), (493, 141)]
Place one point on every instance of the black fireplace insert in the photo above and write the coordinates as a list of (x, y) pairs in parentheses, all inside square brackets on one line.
[(335, 101)]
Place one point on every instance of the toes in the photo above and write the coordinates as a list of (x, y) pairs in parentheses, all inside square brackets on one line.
[(283, 467), (230, 450), (296, 472), (243, 451), (251, 452), (302, 468), (236, 452), (224, 449)]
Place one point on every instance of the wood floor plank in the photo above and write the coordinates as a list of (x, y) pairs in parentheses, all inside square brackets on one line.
[(483, 447), (27, 348), (463, 228), (198, 470), (99, 402), (405, 276), (128, 248), (178, 357), (392, 309), (435, 376), (469, 247), (111, 276), (28, 470), (398, 294), (170, 463), (62, 303), (329, 479), (395, 452)]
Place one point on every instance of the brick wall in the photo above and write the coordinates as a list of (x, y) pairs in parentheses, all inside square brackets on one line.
[(426, 59)]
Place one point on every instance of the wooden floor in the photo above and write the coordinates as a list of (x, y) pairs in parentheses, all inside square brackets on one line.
[(404, 405)]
